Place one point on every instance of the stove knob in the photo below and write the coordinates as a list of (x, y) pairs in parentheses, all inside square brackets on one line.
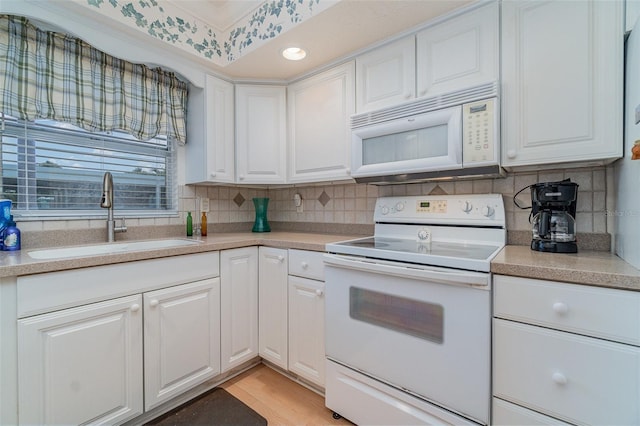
[(488, 211), (399, 207), (384, 210), (467, 206)]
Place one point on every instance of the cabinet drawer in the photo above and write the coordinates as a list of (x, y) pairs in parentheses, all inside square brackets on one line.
[(306, 264), (593, 311), (508, 414), (577, 379)]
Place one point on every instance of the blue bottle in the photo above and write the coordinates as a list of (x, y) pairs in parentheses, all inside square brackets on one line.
[(11, 240)]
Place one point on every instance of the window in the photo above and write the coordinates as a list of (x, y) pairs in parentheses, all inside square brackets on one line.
[(55, 169)]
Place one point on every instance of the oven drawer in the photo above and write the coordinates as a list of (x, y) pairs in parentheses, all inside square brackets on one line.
[(593, 311), (363, 400), (306, 264), (574, 378)]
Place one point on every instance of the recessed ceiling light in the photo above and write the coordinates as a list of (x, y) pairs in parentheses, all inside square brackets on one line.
[(294, 53)]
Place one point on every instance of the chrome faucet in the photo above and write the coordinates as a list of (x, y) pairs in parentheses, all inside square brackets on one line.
[(107, 203)]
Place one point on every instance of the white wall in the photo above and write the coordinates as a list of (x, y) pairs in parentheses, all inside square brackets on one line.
[(627, 171)]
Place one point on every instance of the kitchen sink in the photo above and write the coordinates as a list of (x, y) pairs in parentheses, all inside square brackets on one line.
[(109, 248)]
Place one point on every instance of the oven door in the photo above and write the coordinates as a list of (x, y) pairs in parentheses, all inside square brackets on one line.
[(421, 329)]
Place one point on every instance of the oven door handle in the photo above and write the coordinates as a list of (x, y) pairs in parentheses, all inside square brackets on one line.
[(444, 276)]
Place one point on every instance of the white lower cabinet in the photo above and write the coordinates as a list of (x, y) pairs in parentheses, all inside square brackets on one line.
[(144, 339), (306, 329), (566, 352), (181, 339), (292, 311), (238, 306), (273, 312), (81, 365)]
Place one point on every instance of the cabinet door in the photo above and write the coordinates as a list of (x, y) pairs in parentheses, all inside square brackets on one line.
[(210, 155), (82, 364), (386, 76), (319, 132), (238, 306), (272, 297), (261, 134), (181, 339), (562, 71), (460, 52), (306, 329)]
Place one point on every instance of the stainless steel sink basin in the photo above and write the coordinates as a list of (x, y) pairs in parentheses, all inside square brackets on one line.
[(109, 248)]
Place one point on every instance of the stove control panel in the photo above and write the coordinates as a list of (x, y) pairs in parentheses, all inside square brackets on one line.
[(485, 209)]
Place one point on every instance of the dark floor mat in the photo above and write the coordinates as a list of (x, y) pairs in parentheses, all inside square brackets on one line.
[(215, 407)]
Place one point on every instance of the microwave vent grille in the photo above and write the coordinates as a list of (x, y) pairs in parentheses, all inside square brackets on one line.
[(444, 100)]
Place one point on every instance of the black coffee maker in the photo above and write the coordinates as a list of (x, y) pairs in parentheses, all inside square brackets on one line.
[(553, 209)]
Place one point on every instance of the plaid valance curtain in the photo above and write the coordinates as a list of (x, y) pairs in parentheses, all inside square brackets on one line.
[(50, 75)]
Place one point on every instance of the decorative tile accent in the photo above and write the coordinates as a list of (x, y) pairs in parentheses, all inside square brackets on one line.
[(168, 23), (324, 198), (239, 200), (438, 191)]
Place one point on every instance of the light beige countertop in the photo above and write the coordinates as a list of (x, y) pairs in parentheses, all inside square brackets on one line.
[(20, 263), (598, 268)]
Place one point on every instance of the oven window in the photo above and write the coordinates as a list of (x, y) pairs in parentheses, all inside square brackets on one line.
[(413, 317)]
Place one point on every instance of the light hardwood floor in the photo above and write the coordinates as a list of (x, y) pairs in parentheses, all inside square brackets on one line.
[(280, 400)]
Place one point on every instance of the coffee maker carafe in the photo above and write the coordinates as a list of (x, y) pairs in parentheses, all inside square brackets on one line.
[(553, 207)]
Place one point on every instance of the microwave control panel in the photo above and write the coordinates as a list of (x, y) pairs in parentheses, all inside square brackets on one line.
[(479, 122)]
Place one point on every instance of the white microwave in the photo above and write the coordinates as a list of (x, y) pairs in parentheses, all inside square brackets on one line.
[(453, 142)]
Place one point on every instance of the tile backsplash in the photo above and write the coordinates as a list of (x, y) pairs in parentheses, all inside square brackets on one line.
[(345, 207)]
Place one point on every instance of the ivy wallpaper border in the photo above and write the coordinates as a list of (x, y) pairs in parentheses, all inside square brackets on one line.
[(172, 25)]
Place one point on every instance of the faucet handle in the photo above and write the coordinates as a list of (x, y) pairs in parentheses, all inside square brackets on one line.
[(122, 227)]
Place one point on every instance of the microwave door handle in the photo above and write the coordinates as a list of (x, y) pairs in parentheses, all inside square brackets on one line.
[(423, 273)]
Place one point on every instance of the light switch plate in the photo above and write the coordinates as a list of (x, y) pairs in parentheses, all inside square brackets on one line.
[(637, 114), (204, 205)]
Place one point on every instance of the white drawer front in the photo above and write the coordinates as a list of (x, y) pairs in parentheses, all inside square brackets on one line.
[(508, 414), (574, 378), (593, 311), (306, 264)]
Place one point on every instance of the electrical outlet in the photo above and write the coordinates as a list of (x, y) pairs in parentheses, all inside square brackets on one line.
[(204, 205)]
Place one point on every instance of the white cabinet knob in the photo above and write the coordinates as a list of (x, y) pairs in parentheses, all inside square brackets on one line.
[(153, 303), (560, 308), (348, 171), (511, 153), (408, 96), (559, 378), (304, 265), (319, 292), (212, 174), (241, 177), (135, 307), (280, 259)]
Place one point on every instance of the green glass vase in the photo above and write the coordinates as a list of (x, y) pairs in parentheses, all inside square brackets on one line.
[(261, 224)]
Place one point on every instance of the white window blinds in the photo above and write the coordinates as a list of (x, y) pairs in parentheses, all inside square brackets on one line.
[(56, 169)]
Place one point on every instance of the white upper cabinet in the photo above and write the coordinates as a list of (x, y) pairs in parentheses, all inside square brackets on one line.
[(562, 82), (261, 134), (319, 134), (210, 153), (460, 52), (386, 76)]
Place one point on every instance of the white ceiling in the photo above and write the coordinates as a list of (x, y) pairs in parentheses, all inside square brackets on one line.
[(347, 27)]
